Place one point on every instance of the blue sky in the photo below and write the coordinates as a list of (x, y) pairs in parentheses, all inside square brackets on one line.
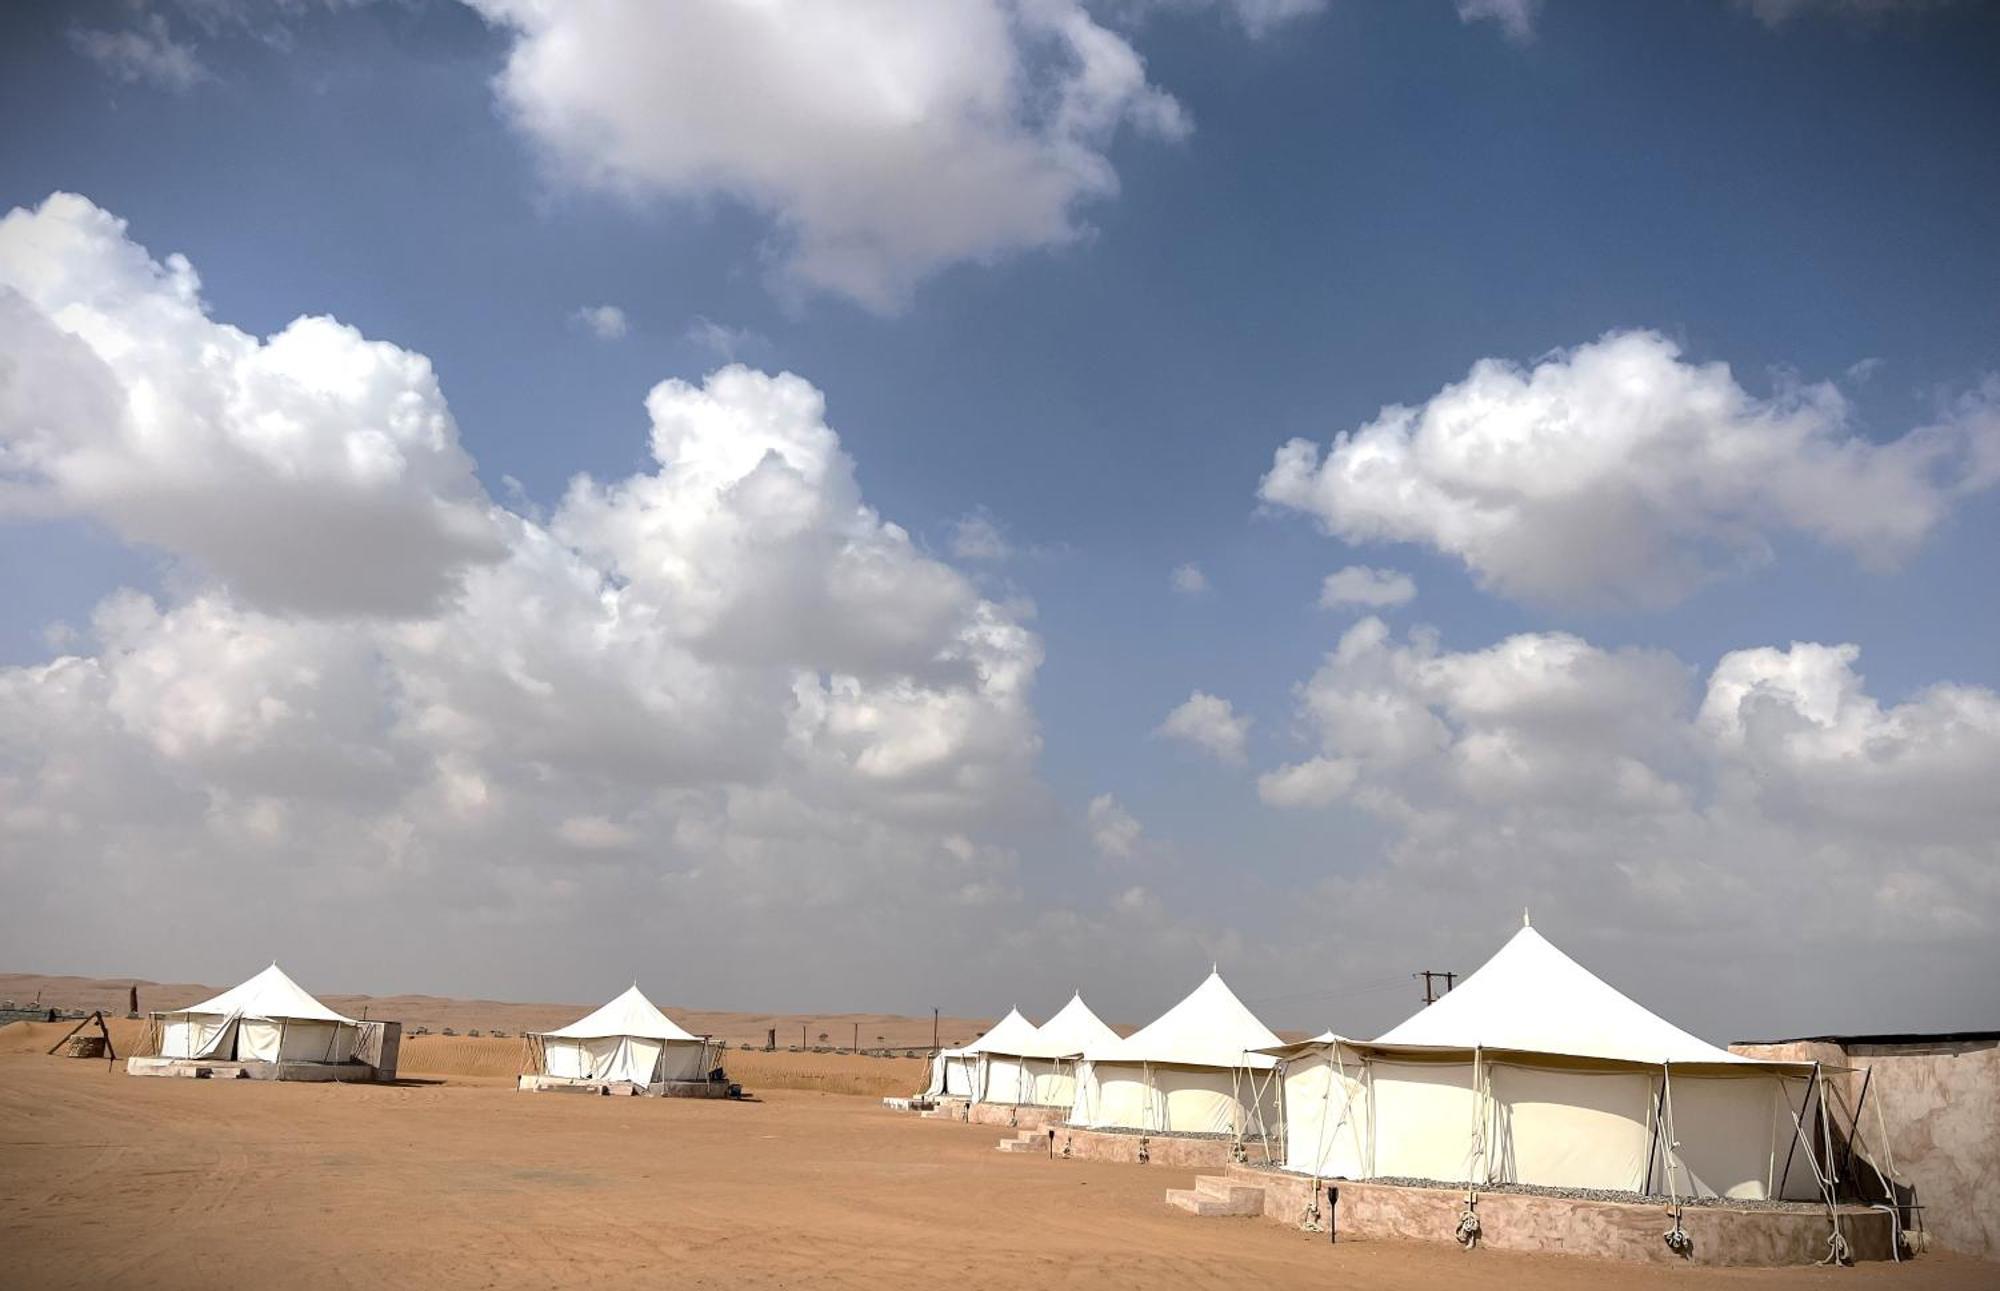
[(1359, 204)]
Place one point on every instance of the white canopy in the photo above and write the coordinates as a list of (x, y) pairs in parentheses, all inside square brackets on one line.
[(1009, 1035), (1534, 1071), (631, 1014), (269, 1018), (269, 996), (1073, 1031), (1533, 998), (955, 1072), (1210, 1028)]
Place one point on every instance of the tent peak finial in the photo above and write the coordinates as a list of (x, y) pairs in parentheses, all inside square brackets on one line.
[(1524, 918)]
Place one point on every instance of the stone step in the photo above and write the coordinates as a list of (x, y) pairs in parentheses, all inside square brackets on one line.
[(1022, 1145), (1214, 1197), (1244, 1199), (1195, 1203)]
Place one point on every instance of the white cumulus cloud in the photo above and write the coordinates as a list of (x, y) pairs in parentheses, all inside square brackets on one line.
[(1315, 782), (1779, 804), (1620, 471), (1361, 585), (722, 698), (121, 400), (883, 140), (1210, 724)]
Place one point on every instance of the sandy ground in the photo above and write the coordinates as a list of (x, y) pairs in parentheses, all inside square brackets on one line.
[(432, 1057), (110, 1180)]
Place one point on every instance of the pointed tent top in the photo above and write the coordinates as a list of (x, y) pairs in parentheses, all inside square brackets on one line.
[(1532, 997), (631, 1014), (1071, 1031), (1525, 923), (1210, 1028), (1008, 1035), (269, 996)]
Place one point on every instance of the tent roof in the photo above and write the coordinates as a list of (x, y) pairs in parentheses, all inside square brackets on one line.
[(1005, 1036), (269, 996), (1532, 998), (1073, 1030), (630, 1014), (1210, 1028)]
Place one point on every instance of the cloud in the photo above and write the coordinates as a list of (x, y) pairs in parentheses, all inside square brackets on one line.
[(1360, 585), (1618, 471), (1114, 831), (122, 401), (1778, 804), (718, 701), (1188, 579), (976, 537), (1515, 17), (1316, 782), (143, 54), (1209, 724), (721, 340), (883, 142), (605, 322)]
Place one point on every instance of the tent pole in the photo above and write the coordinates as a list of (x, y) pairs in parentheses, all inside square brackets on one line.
[(1797, 1117), (1854, 1126), (1653, 1148)]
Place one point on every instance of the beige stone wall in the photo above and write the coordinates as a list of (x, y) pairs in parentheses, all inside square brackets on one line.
[(1720, 1236), (1941, 1106), (1163, 1150)]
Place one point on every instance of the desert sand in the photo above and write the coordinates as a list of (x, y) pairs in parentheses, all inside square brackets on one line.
[(452, 1179)]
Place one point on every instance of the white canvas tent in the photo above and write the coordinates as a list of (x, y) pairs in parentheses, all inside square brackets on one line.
[(628, 1040), (1535, 1071), (269, 1018), (955, 1073), (1038, 1068), (1196, 1069)]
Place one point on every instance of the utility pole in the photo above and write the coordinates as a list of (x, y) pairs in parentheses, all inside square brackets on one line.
[(934, 1026), (857, 1037), (802, 1035), (1431, 994)]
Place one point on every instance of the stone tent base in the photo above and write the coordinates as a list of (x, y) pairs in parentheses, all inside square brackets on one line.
[(1173, 1151), (661, 1089), (1619, 1230), (1025, 1117), (211, 1069)]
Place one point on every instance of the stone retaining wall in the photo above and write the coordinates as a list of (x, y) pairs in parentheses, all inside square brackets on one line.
[(1720, 1235), (1176, 1152)]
